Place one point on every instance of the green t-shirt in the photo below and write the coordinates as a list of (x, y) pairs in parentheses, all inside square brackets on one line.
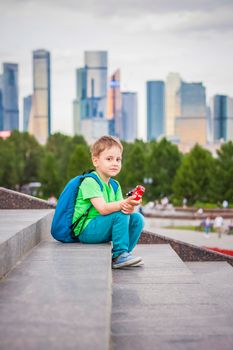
[(90, 188)]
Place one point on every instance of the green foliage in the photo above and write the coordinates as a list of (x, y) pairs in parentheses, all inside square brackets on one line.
[(49, 176), (28, 154), (197, 176), (79, 162), (162, 163), (8, 172), (192, 180), (222, 179), (133, 166)]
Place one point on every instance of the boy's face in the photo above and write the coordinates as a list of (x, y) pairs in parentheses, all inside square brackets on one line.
[(108, 163)]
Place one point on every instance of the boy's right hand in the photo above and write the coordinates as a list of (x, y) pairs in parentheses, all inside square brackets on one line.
[(128, 204)]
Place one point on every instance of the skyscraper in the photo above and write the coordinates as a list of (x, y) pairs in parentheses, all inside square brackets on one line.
[(9, 96), (90, 105), (40, 120), (222, 117), (129, 116), (27, 108), (115, 105), (1, 105), (191, 120), (173, 83), (155, 109)]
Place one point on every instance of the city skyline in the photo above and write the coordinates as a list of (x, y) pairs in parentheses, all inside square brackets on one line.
[(145, 41)]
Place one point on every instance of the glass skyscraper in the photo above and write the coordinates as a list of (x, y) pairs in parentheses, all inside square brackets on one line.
[(115, 105), (191, 120), (27, 108), (222, 117), (9, 108), (40, 119), (129, 116), (91, 94), (173, 83), (155, 109)]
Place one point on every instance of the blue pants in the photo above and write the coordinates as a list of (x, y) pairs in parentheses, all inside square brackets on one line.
[(123, 230)]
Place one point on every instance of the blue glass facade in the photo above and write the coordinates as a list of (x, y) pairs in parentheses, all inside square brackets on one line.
[(10, 107), (40, 119), (129, 116), (192, 100), (155, 109), (91, 90), (220, 117), (27, 107)]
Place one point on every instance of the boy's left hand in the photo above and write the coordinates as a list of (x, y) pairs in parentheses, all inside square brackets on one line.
[(127, 208)]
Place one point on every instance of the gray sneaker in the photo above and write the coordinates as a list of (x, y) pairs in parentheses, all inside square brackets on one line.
[(125, 259)]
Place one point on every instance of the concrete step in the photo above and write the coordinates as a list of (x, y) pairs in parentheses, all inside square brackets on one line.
[(164, 306), (217, 280), (20, 231), (58, 297)]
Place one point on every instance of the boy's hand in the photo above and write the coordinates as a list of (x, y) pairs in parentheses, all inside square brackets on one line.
[(128, 205)]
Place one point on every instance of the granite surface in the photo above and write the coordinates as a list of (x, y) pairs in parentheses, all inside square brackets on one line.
[(15, 200), (186, 251)]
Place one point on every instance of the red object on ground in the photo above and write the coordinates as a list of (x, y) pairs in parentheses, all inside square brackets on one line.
[(138, 191), (220, 250)]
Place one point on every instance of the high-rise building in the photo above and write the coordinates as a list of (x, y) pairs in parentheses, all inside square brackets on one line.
[(115, 105), (155, 109), (1, 104), (173, 83), (9, 96), (222, 117), (129, 116), (91, 95), (40, 120), (27, 108), (191, 122)]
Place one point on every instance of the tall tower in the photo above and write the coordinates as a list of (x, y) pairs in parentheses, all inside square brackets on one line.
[(173, 83), (191, 122), (40, 119), (129, 116), (90, 105), (115, 105), (96, 65), (9, 97), (222, 116), (155, 109)]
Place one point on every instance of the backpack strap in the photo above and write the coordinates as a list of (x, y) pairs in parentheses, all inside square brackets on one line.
[(114, 185), (95, 177)]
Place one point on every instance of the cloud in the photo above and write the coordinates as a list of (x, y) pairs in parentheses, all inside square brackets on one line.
[(128, 8)]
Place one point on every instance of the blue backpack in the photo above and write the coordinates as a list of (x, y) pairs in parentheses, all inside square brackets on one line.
[(62, 227)]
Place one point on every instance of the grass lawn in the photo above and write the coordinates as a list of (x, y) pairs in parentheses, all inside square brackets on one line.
[(188, 227)]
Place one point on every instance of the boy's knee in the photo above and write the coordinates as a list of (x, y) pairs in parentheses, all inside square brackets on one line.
[(118, 215), (137, 219)]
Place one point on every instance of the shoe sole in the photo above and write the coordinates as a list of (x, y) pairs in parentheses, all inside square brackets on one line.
[(127, 263), (140, 263)]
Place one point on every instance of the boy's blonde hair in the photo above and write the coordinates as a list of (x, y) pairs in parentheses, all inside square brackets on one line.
[(105, 142)]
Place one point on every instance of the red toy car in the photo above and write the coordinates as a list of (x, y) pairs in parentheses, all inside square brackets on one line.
[(138, 191)]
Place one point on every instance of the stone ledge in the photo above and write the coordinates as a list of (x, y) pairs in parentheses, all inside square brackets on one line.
[(186, 251), (15, 200)]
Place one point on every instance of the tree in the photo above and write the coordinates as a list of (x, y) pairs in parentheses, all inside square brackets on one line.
[(79, 162), (192, 180), (222, 177), (28, 154), (49, 176), (8, 171), (132, 173), (163, 161)]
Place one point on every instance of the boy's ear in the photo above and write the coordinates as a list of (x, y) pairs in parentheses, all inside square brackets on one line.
[(94, 160)]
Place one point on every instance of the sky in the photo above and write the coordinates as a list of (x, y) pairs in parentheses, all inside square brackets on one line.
[(146, 39)]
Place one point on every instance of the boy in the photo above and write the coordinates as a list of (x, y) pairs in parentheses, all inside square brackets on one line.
[(111, 217)]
